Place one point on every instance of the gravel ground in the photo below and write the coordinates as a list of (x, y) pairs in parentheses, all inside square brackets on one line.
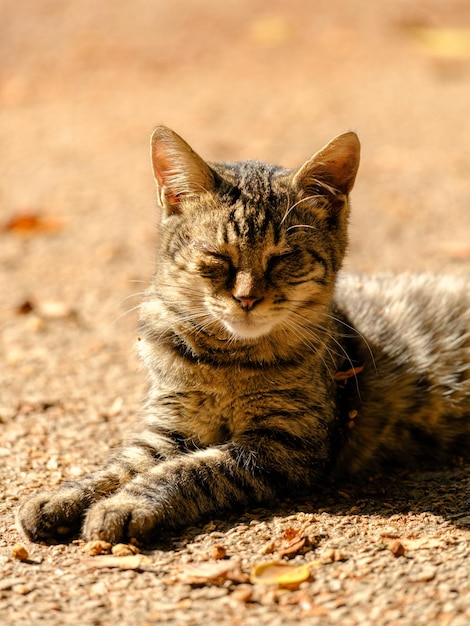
[(81, 87)]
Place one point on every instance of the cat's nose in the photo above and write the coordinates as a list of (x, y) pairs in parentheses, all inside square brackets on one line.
[(247, 303)]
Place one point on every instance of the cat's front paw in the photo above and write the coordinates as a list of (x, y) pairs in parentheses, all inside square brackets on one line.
[(51, 515), (120, 518)]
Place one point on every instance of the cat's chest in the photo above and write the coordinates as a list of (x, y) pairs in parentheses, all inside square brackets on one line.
[(212, 416), (215, 405)]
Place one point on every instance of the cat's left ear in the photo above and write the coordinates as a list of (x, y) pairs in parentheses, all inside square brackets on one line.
[(334, 167), (178, 171)]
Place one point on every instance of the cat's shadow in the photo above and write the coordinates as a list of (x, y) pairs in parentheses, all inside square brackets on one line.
[(444, 493)]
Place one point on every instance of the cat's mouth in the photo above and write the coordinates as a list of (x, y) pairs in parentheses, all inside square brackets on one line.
[(248, 327)]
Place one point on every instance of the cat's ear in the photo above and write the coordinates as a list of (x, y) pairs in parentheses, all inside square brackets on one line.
[(178, 171), (333, 168)]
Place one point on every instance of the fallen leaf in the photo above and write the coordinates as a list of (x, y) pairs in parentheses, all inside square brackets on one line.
[(134, 562), (445, 43), (293, 542), (423, 576), (423, 543), (350, 373), (290, 534), (279, 573), (213, 573), (54, 309), (270, 31), (32, 224), (94, 548), (25, 307), (455, 250), (294, 547)]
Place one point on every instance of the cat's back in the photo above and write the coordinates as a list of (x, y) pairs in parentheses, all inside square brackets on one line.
[(411, 306), (412, 333)]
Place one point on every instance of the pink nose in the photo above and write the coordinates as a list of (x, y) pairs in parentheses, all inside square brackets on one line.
[(247, 303)]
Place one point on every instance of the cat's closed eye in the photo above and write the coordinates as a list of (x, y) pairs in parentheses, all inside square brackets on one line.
[(215, 265), (296, 266), (275, 260)]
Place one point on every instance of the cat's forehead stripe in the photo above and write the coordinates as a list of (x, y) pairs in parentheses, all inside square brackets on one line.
[(248, 222), (255, 200)]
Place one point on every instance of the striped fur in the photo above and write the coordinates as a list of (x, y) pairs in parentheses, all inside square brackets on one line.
[(267, 371)]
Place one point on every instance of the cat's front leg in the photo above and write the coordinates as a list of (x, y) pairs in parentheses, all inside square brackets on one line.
[(180, 492), (58, 514)]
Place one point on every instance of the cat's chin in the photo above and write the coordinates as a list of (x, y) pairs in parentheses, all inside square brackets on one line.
[(248, 329)]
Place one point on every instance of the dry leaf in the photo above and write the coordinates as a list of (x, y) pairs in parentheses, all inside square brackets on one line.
[(444, 43), (270, 31), (346, 375), (423, 576), (25, 307), (212, 573), (423, 543), (54, 310), (291, 534), (134, 562), (293, 542), (49, 309), (279, 573), (94, 548), (32, 224), (455, 250)]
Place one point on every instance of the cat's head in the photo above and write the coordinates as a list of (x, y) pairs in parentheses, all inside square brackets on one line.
[(247, 249)]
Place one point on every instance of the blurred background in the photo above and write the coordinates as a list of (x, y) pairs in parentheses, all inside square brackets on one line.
[(83, 83)]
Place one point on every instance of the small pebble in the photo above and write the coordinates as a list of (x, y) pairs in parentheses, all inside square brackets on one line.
[(124, 549), (19, 552), (95, 548), (218, 552), (397, 548)]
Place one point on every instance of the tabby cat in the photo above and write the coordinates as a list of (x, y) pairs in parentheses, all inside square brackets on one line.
[(269, 370)]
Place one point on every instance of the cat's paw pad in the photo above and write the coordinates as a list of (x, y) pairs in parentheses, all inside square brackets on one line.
[(51, 515), (120, 518)]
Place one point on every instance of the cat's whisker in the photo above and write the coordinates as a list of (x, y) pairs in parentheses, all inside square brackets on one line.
[(355, 333), (342, 354), (132, 295), (300, 226), (126, 313), (293, 206), (301, 333)]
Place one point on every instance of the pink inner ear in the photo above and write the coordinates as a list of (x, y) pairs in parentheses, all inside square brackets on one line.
[(172, 199), (162, 168), (161, 165)]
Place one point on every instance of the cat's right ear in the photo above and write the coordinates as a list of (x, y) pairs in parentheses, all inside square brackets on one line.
[(333, 168), (178, 171)]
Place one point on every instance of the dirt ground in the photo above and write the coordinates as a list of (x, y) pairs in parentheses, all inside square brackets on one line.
[(82, 84)]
